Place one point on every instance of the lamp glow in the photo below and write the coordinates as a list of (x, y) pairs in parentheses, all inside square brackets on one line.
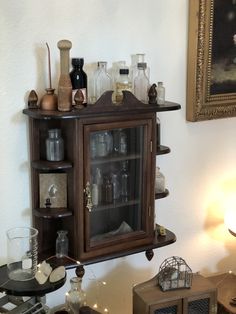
[(230, 219)]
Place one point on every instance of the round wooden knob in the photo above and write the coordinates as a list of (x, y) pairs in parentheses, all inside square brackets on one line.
[(64, 44)]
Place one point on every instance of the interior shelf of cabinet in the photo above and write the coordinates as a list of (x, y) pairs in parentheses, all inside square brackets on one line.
[(162, 195), (116, 204), (111, 159), (161, 150), (51, 213), (51, 165)]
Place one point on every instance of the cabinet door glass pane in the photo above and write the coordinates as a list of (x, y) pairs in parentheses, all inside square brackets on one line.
[(116, 179), (167, 310), (200, 306)]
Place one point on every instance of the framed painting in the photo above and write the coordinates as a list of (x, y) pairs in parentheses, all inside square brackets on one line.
[(211, 73)]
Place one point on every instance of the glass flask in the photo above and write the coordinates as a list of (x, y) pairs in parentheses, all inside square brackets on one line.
[(160, 93), (75, 297), (54, 145), (103, 81), (159, 181), (141, 83), (62, 244)]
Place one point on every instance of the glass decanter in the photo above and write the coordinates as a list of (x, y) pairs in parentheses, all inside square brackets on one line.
[(75, 297)]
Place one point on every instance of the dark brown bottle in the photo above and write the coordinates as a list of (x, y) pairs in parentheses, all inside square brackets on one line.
[(78, 78)]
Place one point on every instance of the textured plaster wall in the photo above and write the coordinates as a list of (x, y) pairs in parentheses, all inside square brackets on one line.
[(202, 162)]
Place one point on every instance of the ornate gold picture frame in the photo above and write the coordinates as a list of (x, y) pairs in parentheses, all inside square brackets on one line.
[(211, 74)]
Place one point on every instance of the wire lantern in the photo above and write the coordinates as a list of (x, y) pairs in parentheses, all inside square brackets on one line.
[(174, 273)]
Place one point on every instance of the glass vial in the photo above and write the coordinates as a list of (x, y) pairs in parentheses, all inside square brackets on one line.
[(54, 145), (116, 186), (75, 297), (141, 83), (108, 191), (135, 59), (78, 78), (160, 93), (159, 181), (62, 244), (103, 81), (123, 83)]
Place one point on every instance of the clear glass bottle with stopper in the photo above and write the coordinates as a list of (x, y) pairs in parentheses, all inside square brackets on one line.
[(75, 297)]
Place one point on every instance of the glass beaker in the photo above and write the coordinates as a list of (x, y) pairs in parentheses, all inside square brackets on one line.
[(22, 253)]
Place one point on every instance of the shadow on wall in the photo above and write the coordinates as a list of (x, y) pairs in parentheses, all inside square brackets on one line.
[(114, 290), (223, 198)]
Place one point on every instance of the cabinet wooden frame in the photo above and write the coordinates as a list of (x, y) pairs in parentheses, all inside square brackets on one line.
[(203, 101)]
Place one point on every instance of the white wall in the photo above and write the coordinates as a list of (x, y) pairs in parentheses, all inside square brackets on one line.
[(201, 167)]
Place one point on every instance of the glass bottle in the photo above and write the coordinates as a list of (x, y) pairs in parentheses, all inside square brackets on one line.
[(62, 244), (123, 83), (135, 59), (159, 181), (160, 93), (75, 297), (122, 143), (78, 78), (103, 81), (108, 190), (99, 181), (54, 145), (116, 186), (124, 181), (101, 145), (141, 83)]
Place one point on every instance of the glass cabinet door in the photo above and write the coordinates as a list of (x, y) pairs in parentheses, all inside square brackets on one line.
[(115, 179)]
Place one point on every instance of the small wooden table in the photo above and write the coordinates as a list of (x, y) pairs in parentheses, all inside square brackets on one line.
[(226, 290)]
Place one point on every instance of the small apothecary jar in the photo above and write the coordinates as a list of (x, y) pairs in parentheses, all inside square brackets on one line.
[(54, 145)]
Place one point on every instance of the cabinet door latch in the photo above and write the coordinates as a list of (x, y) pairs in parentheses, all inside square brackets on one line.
[(88, 195), (151, 146)]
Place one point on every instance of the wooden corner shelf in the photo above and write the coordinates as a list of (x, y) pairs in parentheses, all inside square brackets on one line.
[(45, 165), (162, 195), (52, 213), (161, 150)]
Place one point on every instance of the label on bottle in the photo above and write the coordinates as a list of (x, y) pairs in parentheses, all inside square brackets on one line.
[(120, 87), (84, 91)]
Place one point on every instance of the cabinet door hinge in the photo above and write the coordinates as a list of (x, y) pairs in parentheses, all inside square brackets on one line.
[(151, 146)]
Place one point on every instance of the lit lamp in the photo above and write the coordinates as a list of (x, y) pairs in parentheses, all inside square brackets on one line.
[(230, 219)]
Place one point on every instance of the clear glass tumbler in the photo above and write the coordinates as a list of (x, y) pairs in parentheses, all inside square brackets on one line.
[(22, 253)]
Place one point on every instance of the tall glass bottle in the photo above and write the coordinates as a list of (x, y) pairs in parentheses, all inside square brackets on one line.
[(141, 83), (124, 181), (75, 297), (78, 78), (103, 81), (135, 59)]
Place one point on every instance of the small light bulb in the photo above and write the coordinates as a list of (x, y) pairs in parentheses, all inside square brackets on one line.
[(95, 306), (105, 310), (104, 283)]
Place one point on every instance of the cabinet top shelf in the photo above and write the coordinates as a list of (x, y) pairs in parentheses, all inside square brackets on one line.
[(104, 106)]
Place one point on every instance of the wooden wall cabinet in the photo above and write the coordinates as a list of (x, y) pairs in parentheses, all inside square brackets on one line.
[(104, 228), (200, 298)]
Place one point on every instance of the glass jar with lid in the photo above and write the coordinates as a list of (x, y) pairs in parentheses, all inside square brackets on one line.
[(54, 145)]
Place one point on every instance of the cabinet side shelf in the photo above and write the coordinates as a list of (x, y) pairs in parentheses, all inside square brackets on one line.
[(161, 150), (51, 165), (52, 213), (161, 195)]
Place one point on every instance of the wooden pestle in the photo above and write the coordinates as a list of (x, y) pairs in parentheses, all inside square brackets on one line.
[(64, 47)]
